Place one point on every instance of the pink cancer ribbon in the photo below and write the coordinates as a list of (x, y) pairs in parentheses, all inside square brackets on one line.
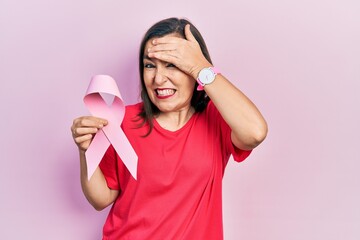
[(112, 132)]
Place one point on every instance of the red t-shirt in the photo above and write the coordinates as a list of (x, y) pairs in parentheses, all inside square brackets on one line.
[(178, 191)]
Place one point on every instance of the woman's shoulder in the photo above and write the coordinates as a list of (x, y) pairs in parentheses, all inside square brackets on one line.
[(132, 113), (134, 109), (132, 121), (211, 109)]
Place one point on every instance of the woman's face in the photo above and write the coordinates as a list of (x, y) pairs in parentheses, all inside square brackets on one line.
[(168, 88)]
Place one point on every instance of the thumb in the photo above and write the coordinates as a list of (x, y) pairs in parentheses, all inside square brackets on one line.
[(188, 34)]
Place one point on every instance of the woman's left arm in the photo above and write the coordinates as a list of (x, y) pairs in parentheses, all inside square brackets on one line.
[(248, 126)]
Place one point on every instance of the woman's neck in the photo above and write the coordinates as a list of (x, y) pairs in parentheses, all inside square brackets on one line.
[(173, 121)]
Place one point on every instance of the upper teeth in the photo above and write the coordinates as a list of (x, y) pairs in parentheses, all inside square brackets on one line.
[(165, 92)]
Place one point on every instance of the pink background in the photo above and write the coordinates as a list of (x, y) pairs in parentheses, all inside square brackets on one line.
[(299, 61)]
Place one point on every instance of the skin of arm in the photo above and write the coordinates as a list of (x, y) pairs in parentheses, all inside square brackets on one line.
[(96, 191), (248, 126)]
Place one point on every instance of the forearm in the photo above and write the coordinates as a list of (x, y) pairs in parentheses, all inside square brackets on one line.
[(248, 126), (95, 190)]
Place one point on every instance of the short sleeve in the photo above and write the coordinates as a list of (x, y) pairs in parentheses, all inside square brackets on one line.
[(239, 155), (108, 166)]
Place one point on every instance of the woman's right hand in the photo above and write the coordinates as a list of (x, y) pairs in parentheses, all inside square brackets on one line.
[(96, 189), (84, 129)]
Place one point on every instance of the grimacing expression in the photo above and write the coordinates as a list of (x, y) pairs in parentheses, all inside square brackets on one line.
[(169, 88)]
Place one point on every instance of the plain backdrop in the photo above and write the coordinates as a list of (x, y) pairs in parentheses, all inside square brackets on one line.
[(299, 61)]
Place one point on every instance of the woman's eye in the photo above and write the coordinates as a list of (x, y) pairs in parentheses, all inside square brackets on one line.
[(148, 65), (171, 65)]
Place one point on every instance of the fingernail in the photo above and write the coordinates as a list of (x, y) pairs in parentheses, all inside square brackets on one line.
[(101, 126), (149, 49)]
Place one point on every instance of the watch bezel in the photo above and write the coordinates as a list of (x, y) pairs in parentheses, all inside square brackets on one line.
[(206, 76)]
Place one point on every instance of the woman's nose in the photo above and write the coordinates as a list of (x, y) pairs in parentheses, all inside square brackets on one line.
[(160, 76)]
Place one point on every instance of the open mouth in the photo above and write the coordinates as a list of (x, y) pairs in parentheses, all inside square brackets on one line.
[(164, 92)]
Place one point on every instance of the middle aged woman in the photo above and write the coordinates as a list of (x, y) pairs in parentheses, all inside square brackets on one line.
[(190, 121)]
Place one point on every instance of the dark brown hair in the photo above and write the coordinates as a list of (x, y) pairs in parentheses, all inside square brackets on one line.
[(167, 26)]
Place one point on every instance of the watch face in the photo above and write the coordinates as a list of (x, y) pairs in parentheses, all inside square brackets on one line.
[(206, 76)]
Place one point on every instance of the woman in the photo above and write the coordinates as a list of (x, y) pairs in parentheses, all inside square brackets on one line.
[(183, 135)]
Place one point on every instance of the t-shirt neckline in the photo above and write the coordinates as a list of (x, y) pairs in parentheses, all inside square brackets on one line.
[(186, 125)]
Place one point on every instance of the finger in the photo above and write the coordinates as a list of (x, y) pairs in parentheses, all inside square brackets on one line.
[(163, 47), (188, 34), (85, 145), (166, 40), (81, 139), (164, 56), (90, 121), (84, 131), (92, 118)]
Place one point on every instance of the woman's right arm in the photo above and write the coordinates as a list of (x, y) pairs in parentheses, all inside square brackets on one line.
[(95, 190)]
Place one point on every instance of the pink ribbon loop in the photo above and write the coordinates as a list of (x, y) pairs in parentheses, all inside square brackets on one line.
[(112, 132)]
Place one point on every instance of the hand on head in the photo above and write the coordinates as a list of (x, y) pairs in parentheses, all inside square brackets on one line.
[(185, 54)]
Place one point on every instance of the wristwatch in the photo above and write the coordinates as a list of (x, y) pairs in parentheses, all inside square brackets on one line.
[(206, 76)]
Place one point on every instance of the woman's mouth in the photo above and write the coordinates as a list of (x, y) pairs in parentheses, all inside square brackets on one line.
[(164, 92)]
